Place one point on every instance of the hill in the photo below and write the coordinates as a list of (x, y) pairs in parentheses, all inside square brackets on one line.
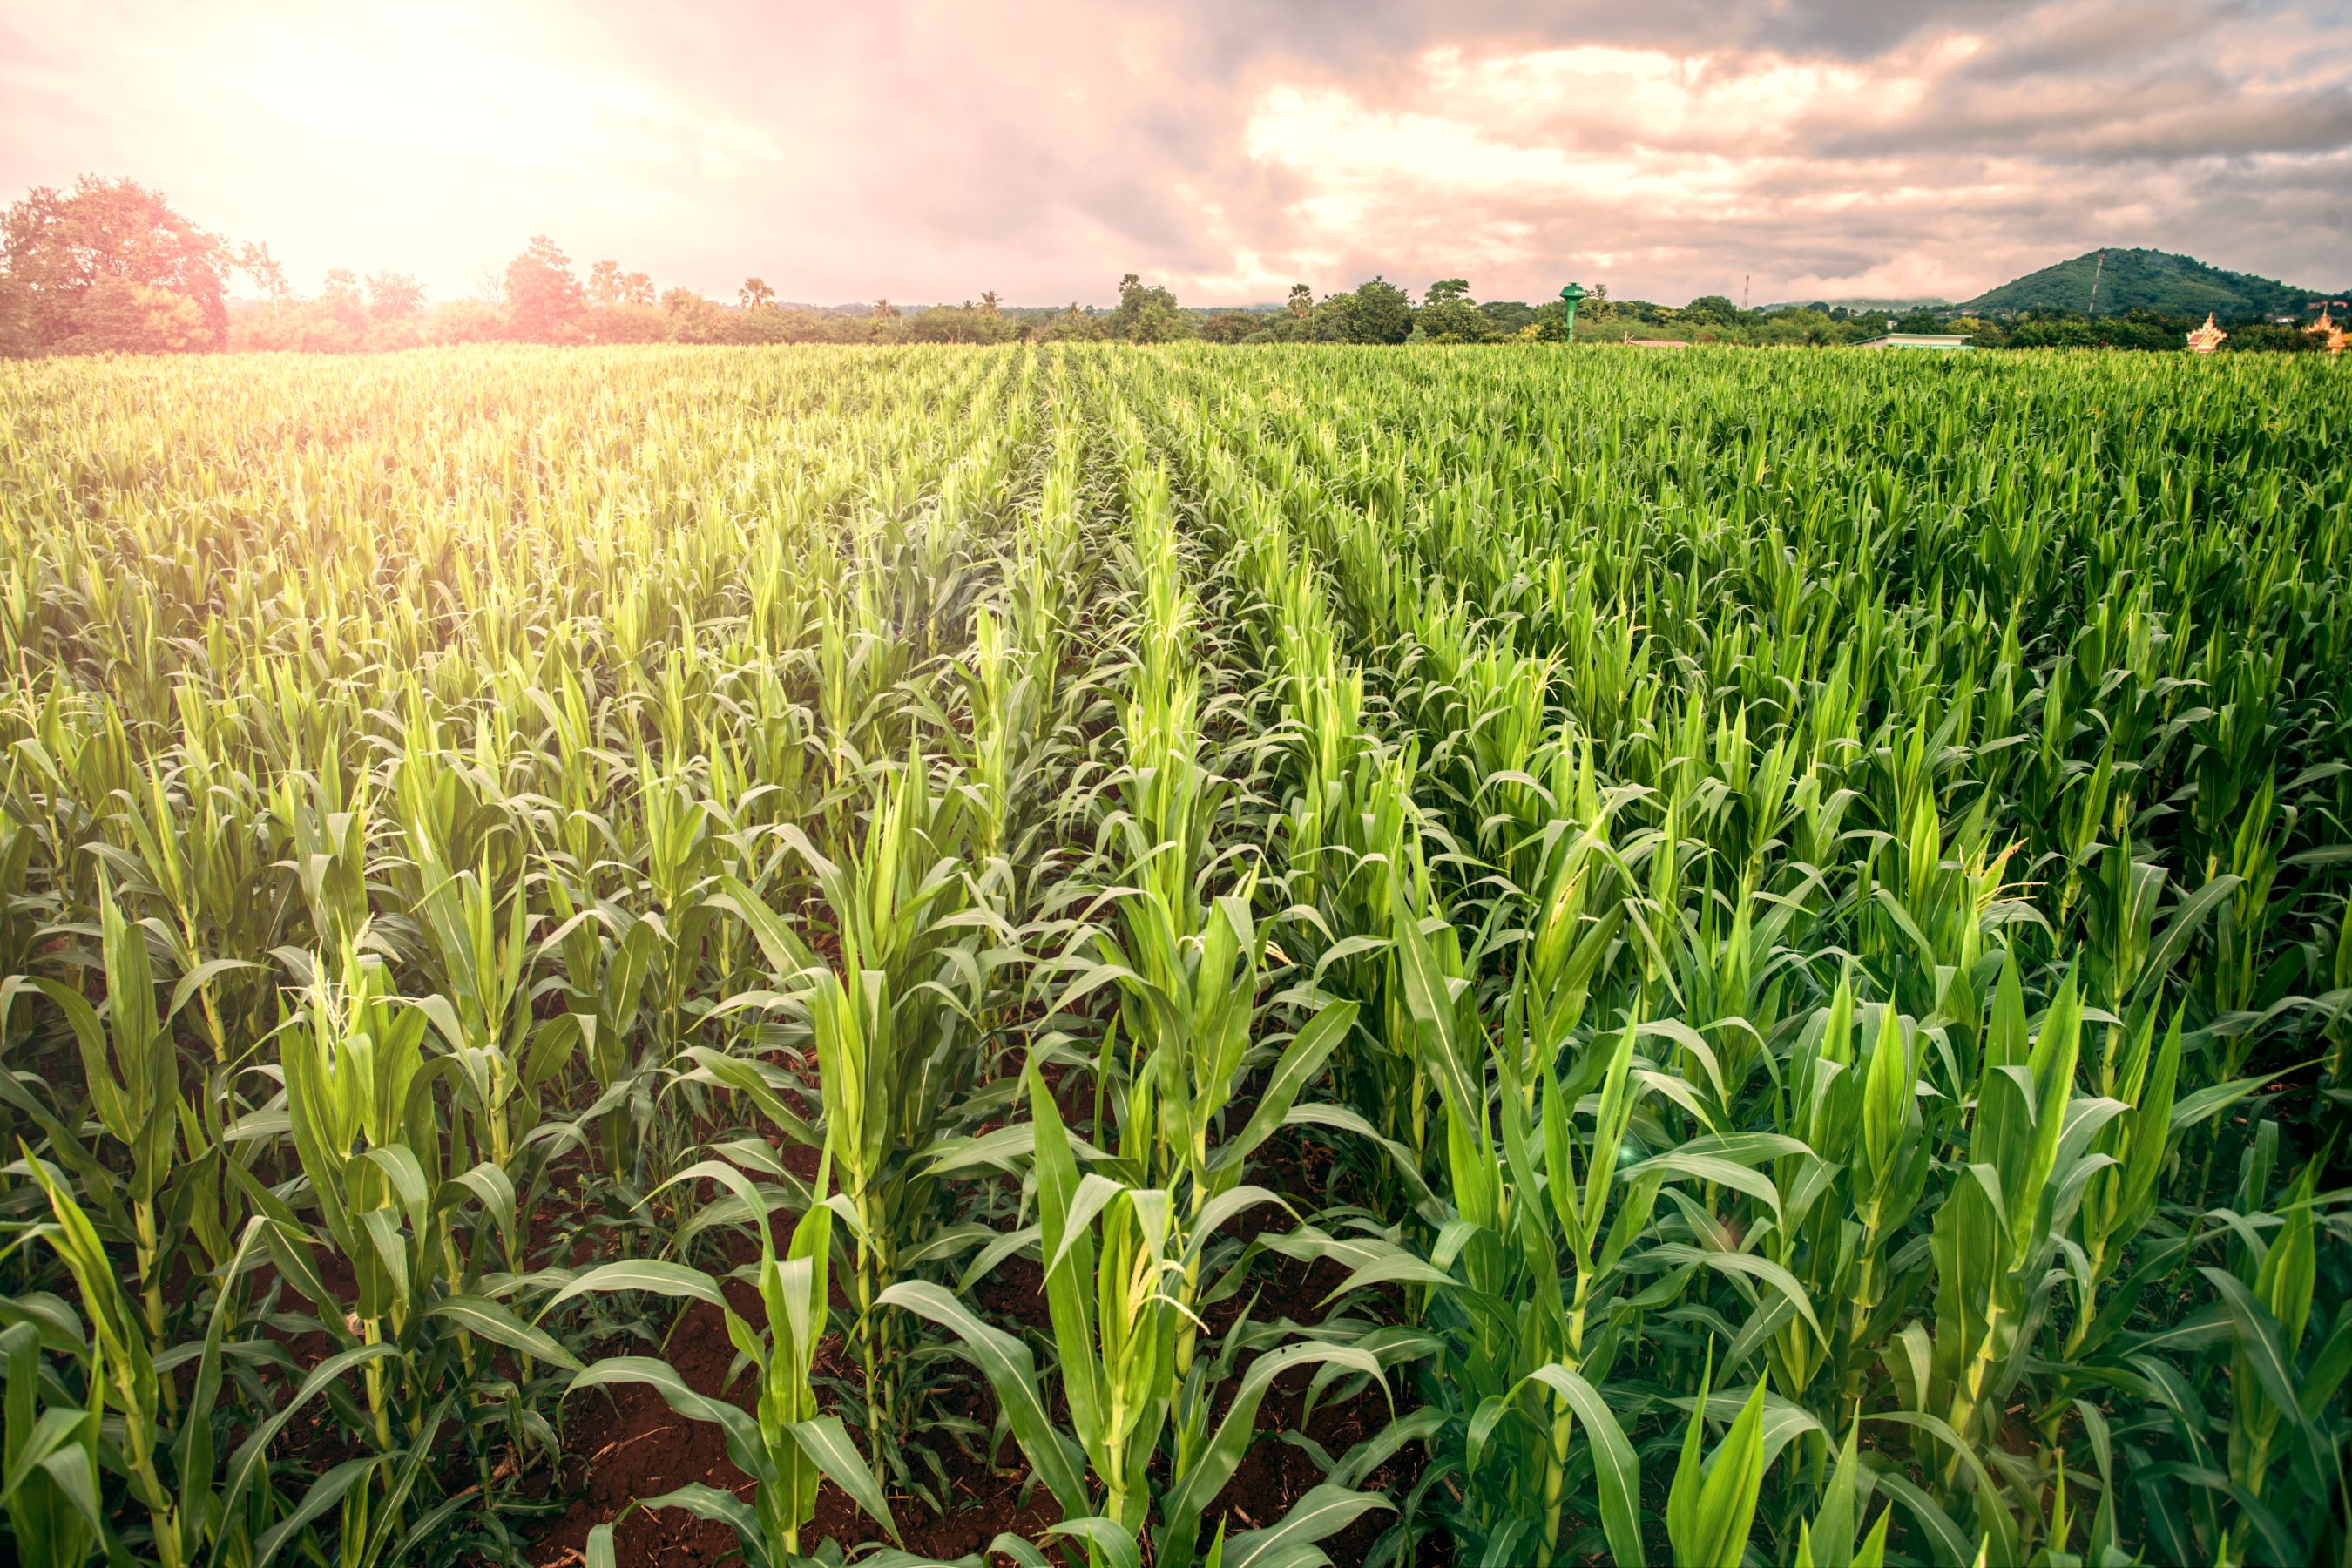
[(2144, 279)]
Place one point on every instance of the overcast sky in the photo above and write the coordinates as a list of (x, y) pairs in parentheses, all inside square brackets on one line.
[(1226, 147)]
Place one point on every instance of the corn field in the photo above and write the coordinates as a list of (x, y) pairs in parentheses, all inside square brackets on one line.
[(1269, 957)]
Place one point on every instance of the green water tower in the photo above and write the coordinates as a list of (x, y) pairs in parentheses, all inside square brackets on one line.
[(1571, 296)]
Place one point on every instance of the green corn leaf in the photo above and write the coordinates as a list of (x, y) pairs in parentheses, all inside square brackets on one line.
[(1713, 1502), (1095, 1193), (1735, 1474), (709, 1502), (2187, 917), (1070, 1287), (1949, 1543), (1323, 1512), (2329, 1365), (1615, 1467), (1225, 1206), (486, 1318), (1021, 1552), (245, 1464), (1872, 1551), (322, 1494), (1673, 1254), (1831, 1532), (1012, 1374), (823, 1440), (1107, 1543), (647, 1274), (2259, 1340), (744, 1445), (1193, 1490), (1301, 1059)]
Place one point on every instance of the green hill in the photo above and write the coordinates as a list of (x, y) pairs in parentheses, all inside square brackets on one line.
[(2144, 279)]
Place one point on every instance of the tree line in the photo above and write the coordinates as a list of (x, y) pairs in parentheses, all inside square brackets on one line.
[(110, 266)]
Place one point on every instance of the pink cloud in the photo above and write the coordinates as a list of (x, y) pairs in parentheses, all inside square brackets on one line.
[(930, 150)]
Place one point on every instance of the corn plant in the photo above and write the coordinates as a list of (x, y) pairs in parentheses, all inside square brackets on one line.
[(51, 1448), (890, 1035), (1114, 1276), (1709, 1510), (787, 1444), (131, 1068)]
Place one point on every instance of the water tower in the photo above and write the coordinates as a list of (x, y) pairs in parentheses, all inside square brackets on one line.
[(1571, 296)]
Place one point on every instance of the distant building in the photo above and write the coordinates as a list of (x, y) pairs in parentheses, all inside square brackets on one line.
[(1916, 341), (1656, 343)]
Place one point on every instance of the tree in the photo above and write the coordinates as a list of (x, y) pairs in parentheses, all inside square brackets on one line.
[(15, 319), (637, 288), (1548, 322), (693, 319), (1332, 321), (394, 296), (1076, 324), (628, 324), (604, 284), (1986, 334), (1229, 326), (1302, 298), (1381, 313), (988, 303), (1448, 315), (1507, 317), (1146, 314), (542, 295), (884, 310), (57, 249), (959, 324), (2260, 337), (755, 293), (255, 262), (114, 315), (340, 303), (465, 321)]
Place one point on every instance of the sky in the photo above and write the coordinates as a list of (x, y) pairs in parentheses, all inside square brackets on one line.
[(1778, 149)]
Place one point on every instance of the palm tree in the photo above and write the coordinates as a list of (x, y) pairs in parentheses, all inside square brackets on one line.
[(884, 309), (988, 300)]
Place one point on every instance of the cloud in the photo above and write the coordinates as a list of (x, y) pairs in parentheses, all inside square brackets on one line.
[(931, 149)]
